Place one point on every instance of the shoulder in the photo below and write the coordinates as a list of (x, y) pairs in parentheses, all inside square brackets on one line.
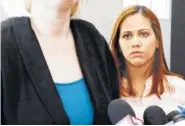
[(83, 23), (8, 38), (87, 27), (7, 27), (88, 30), (6, 33), (176, 81), (8, 23), (178, 85)]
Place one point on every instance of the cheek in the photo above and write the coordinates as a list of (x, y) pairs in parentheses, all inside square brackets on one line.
[(150, 49), (125, 48)]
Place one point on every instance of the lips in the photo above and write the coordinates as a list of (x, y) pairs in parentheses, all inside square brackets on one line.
[(136, 53)]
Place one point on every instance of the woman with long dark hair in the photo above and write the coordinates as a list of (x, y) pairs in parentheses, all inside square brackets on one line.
[(137, 48)]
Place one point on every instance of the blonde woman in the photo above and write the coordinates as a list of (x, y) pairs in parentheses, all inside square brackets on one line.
[(137, 47), (55, 69)]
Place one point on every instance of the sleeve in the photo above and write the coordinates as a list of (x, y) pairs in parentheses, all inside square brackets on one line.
[(3, 119), (6, 51), (112, 71), (179, 85), (182, 87)]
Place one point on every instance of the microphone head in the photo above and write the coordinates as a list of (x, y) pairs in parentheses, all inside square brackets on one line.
[(118, 109), (172, 114), (178, 118), (154, 115)]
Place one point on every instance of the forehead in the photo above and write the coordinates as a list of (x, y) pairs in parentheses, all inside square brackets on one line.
[(135, 22)]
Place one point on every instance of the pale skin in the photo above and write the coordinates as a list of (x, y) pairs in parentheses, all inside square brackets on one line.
[(138, 43), (55, 38)]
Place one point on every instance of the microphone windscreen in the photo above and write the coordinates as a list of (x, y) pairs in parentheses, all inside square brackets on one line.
[(154, 115), (178, 118), (118, 109), (172, 114)]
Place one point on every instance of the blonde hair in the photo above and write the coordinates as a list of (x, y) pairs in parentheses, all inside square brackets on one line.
[(75, 9)]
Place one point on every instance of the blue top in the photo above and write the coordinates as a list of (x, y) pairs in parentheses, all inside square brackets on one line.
[(76, 102)]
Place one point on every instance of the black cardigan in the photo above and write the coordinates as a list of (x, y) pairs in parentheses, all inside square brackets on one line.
[(28, 94)]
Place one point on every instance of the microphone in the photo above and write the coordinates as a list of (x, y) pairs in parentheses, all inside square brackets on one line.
[(154, 115), (179, 119), (120, 112), (172, 114), (170, 117)]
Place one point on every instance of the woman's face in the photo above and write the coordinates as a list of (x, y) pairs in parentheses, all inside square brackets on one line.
[(48, 7), (137, 40)]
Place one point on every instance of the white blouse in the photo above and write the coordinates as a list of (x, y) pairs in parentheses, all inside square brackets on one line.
[(168, 102)]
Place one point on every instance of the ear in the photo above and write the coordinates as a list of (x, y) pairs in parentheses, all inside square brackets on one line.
[(27, 4)]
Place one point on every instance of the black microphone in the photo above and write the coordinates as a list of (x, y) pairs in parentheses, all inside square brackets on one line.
[(119, 109), (170, 117), (179, 119), (172, 114), (154, 115)]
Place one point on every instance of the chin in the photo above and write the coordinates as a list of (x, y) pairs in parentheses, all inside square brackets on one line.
[(137, 62)]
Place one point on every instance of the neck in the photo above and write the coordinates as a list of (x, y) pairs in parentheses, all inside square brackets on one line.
[(53, 26), (137, 73), (138, 76)]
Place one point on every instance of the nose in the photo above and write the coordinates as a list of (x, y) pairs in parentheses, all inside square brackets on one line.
[(136, 42)]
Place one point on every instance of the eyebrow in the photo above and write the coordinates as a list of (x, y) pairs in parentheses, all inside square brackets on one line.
[(144, 29)]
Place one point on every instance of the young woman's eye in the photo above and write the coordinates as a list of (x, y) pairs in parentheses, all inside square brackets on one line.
[(144, 34), (127, 36)]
